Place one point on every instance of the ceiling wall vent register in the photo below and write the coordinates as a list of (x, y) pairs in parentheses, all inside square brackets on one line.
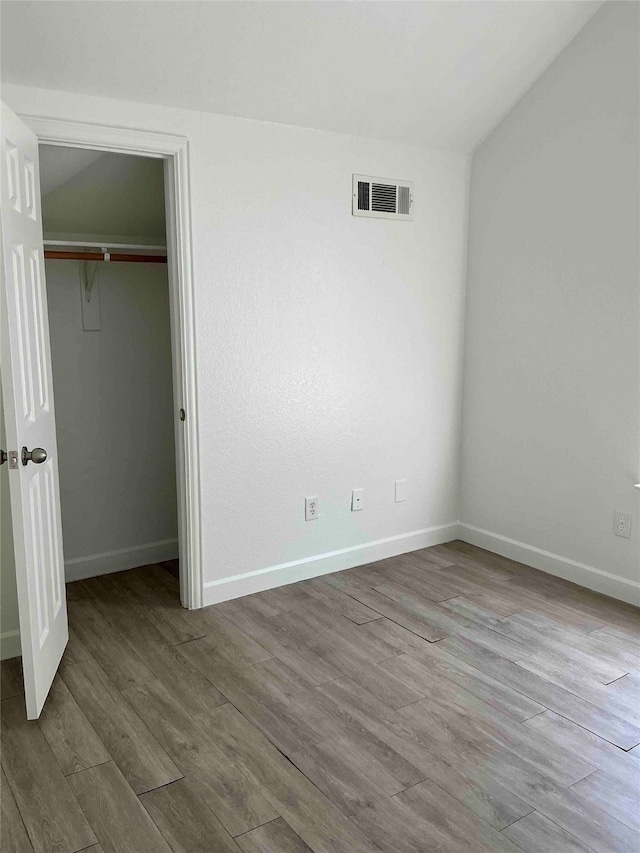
[(382, 198)]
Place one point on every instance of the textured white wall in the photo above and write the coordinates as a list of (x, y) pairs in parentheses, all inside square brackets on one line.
[(551, 402), (114, 410), (328, 347)]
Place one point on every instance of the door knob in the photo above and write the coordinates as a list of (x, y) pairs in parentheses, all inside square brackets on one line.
[(3, 457), (37, 455)]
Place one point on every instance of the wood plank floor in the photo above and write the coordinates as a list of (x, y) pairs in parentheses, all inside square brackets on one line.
[(446, 700)]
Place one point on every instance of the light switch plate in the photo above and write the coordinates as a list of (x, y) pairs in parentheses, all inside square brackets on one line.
[(357, 498), (401, 491)]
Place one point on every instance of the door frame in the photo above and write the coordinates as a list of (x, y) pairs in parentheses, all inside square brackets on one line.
[(174, 150)]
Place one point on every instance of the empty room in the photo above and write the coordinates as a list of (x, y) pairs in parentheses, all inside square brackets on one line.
[(320, 426)]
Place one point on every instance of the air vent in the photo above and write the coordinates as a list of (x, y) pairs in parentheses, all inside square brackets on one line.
[(382, 198)]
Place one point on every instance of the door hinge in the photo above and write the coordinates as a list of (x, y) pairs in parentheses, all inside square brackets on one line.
[(183, 415)]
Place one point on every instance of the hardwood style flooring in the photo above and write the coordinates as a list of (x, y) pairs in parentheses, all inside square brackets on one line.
[(447, 700)]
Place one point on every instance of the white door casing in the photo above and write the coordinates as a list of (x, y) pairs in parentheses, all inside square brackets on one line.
[(29, 413)]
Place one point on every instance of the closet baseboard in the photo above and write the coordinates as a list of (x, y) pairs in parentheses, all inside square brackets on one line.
[(119, 561)]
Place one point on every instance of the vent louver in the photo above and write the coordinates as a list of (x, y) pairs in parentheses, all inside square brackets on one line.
[(382, 198), (363, 195)]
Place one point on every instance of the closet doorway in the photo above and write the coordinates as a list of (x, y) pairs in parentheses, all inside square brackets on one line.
[(173, 152), (107, 280)]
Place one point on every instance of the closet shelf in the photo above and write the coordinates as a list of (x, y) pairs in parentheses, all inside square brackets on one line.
[(103, 252)]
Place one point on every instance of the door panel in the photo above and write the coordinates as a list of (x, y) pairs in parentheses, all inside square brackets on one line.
[(29, 415)]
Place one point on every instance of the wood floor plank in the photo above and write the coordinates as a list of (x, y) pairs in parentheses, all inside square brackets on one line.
[(135, 750), (553, 697), (115, 813), (286, 599), (597, 607), (75, 650), (158, 597), (323, 630), (112, 652), (411, 618), (625, 640), (239, 684), (378, 678), (575, 813), (274, 837), (415, 576), (593, 651), (334, 598), (535, 833), (481, 794), (620, 799), (70, 735), (279, 642), (604, 755), (462, 721), (13, 833), (433, 618), (314, 818), (419, 669), (234, 799), (185, 821), (228, 641), (161, 658), (572, 679), (53, 819), (310, 708), (489, 566), (387, 823), (429, 800)]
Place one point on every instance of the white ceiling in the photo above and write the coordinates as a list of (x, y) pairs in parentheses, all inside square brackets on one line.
[(433, 73)]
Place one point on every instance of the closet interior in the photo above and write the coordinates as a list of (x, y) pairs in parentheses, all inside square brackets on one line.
[(110, 330)]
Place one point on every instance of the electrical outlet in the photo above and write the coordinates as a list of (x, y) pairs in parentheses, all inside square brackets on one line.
[(310, 509), (401, 491), (356, 499), (622, 524)]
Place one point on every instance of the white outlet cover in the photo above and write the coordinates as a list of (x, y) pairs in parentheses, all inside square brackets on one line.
[(310, 509), (622, 524)]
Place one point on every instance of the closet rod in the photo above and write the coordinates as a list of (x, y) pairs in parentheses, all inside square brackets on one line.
[(106, 256)]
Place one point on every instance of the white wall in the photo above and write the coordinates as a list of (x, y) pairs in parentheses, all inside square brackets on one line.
[(114, 418), (551, 392), (328, 346)]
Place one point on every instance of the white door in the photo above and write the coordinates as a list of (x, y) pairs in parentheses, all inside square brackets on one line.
[(28, 401)]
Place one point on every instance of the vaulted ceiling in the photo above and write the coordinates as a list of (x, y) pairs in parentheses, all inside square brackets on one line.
[(440, 74)]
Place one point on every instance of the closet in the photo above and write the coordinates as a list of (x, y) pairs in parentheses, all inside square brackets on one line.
[(110, 330)]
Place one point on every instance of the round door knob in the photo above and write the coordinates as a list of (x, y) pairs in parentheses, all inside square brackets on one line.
[(3, 457), (37, 455)]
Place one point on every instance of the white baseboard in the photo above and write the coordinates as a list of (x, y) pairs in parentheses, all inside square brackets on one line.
[(562, 567), (322, 564), (118, 561), (10, 645)]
